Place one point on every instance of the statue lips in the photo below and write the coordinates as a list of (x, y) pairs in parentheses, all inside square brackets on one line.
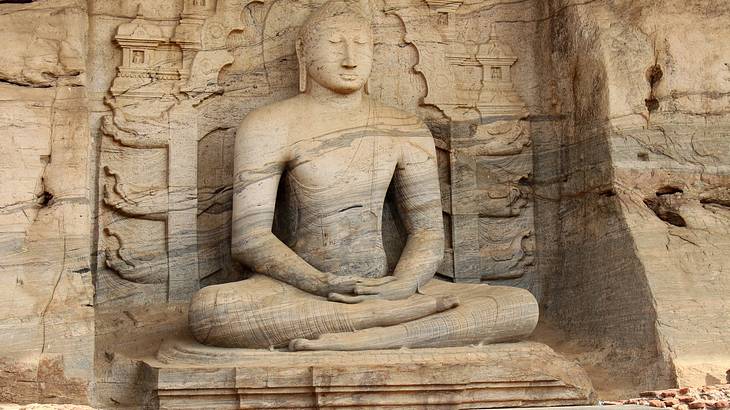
[(349, 77)]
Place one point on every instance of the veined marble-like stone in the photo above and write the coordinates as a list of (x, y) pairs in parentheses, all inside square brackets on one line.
[(581, 145)]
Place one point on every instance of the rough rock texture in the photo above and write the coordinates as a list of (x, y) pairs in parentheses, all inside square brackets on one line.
[(605, 192), (642, 88), (46, 306), (710, 397)]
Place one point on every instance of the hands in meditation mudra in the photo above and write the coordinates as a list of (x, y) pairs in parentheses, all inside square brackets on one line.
[(338, 152)]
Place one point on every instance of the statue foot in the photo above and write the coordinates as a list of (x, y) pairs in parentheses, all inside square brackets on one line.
[(446, 303), (389, 337), (378, 313), (367, 339)]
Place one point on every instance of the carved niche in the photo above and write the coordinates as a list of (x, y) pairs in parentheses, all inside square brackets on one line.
[(149, 239), (488, 203), (164, 225)]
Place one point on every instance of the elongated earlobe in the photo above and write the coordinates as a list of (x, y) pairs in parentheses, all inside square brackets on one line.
[(302, 78), (302, 68)]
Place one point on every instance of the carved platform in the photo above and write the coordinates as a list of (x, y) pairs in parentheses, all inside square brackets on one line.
[(187, 375)]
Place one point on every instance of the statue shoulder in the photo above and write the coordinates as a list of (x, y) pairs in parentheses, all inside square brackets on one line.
[(415, 137), (264, 132), (396, 116), (271, 118), (266, 128)]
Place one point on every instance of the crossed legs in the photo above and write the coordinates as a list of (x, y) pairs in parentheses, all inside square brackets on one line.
[(262, 312), (486, 314)]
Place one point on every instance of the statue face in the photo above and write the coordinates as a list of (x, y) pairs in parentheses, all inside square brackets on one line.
[(338, 54)]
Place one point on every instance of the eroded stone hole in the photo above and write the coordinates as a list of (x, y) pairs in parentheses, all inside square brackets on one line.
[(652, 104), (16, 1), (654, 74), (45, 199), (666, 203), (669, 190), (607, 192), (715, 201), (665, 211), (718, 196)]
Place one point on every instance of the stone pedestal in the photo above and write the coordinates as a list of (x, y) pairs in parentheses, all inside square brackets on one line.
[(187, 375)]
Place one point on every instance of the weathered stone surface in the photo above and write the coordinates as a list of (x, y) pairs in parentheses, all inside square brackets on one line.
[(606, 197), (643, 148), (189, 375), (46, 305)]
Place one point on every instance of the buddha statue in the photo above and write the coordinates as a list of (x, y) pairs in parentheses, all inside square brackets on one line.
[(336, 151)]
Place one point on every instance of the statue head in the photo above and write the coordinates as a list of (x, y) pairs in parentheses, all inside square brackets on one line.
[(335, 48)]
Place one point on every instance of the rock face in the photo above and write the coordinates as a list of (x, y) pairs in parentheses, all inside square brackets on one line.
[(643, 218), (46, 202), (582, 151)]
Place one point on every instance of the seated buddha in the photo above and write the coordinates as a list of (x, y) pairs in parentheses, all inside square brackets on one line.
[(329, 288)]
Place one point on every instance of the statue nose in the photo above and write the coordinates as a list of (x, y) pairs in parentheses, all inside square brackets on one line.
[(349, 60)]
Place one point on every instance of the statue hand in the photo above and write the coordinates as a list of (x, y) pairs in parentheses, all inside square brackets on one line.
[(392, 290), (346, 284)]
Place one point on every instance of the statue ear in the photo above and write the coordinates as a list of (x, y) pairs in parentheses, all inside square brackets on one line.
[(302, 66)]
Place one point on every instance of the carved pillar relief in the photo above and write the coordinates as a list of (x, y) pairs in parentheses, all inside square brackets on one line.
[(490, 214), (149, 173)]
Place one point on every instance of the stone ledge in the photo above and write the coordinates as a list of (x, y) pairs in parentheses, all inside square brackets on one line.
[(187, 375)]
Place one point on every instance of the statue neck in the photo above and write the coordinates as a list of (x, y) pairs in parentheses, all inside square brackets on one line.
[(325, 96)]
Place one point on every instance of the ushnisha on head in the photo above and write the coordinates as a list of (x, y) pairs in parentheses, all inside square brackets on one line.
[(335, 48)]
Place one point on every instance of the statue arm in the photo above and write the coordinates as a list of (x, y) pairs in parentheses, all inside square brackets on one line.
[(419, 202), (260, 156), (419, 205)]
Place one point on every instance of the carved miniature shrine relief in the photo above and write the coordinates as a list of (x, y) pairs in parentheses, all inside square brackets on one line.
[(489, 145), (148, 175)]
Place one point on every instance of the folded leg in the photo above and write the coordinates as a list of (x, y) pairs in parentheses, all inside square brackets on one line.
[(261, 312), (486, 314)]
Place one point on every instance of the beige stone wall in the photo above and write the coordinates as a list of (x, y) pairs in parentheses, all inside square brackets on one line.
[(643, 208), (611, 184), (682, 238), (46, 305)]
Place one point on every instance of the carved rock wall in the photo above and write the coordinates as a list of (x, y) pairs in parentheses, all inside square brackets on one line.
[(47, 297), (643, 183), (172, 81), (583, 155), (482, 82)]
